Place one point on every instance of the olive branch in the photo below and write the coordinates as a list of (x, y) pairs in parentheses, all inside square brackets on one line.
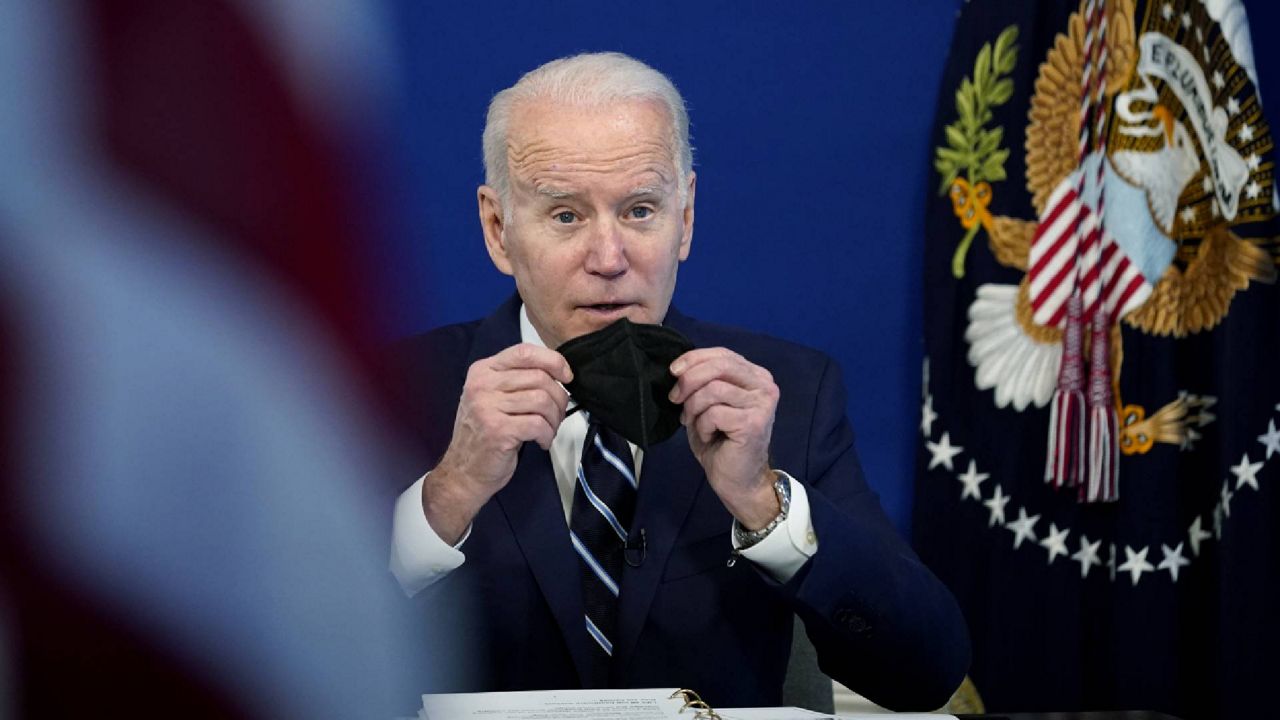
[(972, 149)]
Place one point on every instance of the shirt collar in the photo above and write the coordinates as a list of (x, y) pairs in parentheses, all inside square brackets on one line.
[(528, 333)]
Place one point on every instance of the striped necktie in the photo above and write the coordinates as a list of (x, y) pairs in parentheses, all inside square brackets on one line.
[(603, 502)]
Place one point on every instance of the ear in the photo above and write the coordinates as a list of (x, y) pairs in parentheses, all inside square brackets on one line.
[(491, 222), (686, 239)]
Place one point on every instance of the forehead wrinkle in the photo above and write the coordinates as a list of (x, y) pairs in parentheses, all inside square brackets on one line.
[(561, 180), (538, 150), (572, 158)]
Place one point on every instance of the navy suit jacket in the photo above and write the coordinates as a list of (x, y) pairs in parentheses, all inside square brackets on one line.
[(511, 617)]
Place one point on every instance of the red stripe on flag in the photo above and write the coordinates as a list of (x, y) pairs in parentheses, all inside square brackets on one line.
[(1042, 233), (1039, 300), (1134, 285)]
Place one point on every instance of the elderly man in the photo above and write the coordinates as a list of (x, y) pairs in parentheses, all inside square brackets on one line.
[(589, 205)]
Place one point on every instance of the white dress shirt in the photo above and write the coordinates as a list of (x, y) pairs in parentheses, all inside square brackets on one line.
[(419, 557)]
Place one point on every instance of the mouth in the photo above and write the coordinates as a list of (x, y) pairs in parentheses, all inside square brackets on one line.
[(607, 310)]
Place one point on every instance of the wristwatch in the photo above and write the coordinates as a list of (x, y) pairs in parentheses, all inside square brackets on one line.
[(746, 538)]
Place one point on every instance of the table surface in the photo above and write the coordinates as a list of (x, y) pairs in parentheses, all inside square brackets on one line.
[(1107, 715)]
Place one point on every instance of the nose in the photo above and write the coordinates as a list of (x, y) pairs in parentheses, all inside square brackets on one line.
[(607, 253)]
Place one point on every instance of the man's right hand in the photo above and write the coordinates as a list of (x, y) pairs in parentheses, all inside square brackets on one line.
[(508, 399)]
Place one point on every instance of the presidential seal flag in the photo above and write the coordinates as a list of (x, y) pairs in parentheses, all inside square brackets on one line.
[(1099, 465)]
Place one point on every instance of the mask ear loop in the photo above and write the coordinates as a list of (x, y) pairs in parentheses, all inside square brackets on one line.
[(575, 407)]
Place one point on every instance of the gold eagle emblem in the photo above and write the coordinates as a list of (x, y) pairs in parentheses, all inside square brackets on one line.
[(1197, 150)]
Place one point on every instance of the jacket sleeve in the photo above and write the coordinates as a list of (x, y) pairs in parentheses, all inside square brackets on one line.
[(881, 622)]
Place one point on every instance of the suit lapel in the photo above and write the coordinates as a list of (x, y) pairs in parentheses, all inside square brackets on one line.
[(497, 332), (670, 480), (531, 504)]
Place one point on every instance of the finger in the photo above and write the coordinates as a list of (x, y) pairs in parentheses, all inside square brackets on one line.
[(549, 403), (510, 380), (696, 356), (717, 419), (533, 427), (528, 356), (717, 392), (728, 367)]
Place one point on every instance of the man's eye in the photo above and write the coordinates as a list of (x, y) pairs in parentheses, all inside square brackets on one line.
[(641, 212), (566, 217)]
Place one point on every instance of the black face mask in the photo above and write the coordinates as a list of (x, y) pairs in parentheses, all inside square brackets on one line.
[(621, 376)]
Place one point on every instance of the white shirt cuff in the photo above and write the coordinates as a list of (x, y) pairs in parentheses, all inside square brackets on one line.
[(785, 550), (419, 557)]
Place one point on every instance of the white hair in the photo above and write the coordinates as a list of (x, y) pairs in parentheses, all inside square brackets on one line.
[(585, 80)]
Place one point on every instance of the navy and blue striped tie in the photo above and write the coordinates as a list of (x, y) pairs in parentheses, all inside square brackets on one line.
[(604, 501)]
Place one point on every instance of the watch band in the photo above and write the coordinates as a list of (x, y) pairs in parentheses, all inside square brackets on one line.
[(746, 538)]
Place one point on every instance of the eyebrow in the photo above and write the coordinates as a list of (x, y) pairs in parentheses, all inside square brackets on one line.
[(561, 194), (645, 190), (554, 192)]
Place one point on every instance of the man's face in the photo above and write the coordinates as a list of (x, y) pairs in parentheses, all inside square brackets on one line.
[(595, 229)]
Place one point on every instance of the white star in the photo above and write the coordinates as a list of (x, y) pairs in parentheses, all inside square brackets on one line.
[(1254, 161), (1135, 563), (1207, 184), (1208, 60), (1186, 20), (1167, 11), (1172, 560), (1233, 105), (942, 452), (1252, 190), (1246, 472), (927, 416), (1246, 132), (1226, 499), (1087, 556), (1200, 38), (972, 479), (1189, 214), (1270, 439), (1111, 562), (1217, 521), (996, 506), (1022, 528), (1055, 542), (1218, 80), (1196, 535)]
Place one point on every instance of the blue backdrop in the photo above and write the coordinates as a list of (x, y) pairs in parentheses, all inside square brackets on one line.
[(811, 141)]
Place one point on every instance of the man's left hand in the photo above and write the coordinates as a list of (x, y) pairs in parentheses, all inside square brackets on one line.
[(729, 405)]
